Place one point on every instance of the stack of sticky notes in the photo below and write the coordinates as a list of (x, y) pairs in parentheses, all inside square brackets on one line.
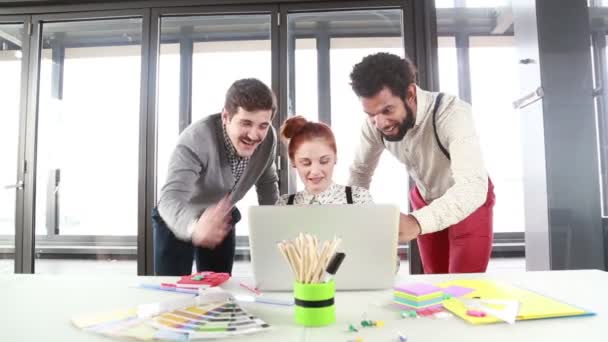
[(203, 279), (418, 296)]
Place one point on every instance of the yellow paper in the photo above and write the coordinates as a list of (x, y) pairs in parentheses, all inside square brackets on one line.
[(532, 305), (424, 298), (95, 319), (142, 331)]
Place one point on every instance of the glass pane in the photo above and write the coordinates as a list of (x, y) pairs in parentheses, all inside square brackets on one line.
[(88, 132), (225, 48), (492, 57), (369, 32), (487, 3), (11, 38), (348, 117), (306, 70), (444, 3), (448, 65), (602, 124), (599, 61), (498, 124), (475, 17), (306, 83), (168, 109), (216, 65)]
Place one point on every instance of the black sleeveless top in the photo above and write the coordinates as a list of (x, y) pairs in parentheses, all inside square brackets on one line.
[(348, 191)]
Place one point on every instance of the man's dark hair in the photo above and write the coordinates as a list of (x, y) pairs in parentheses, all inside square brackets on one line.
[(381, 70), (250, 94)]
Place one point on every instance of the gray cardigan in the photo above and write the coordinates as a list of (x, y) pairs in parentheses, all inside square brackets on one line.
[(200, 175)]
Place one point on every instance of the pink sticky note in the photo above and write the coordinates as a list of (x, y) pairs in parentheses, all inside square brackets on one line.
[(476, 313), (429, 310), (418, 289)]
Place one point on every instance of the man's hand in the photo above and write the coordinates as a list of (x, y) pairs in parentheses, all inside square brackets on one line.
[(409, 228), (213, 225)]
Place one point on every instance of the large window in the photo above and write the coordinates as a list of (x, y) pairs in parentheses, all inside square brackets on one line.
[(474, 53), (109, 92), (88, 129), (599, 41), (498, 125), (390, 181), (207, 53), (11, 38), (337, 41)]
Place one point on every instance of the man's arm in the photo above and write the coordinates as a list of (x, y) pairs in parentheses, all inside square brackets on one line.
[(367, 156), (470, 187), (174, 206), (267, 185)]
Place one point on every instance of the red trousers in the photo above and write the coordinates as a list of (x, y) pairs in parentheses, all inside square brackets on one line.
[(462, 248)]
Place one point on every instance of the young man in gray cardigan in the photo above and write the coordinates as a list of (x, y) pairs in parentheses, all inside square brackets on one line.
[(216, 161)]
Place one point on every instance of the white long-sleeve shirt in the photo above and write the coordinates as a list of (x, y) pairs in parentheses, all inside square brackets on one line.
[(454, 189)]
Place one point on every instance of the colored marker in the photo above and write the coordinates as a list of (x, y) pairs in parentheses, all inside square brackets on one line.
[(183, 286), (333, 266), (251, 289), (168, 288)]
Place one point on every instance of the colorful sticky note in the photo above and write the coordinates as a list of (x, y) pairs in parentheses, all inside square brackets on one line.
[(476, 313), (418, 289), (457, 291)]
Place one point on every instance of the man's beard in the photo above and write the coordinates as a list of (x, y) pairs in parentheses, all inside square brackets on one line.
[(403, 127)]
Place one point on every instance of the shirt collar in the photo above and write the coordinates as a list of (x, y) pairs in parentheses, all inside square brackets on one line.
[(229, 147), (308, 196)]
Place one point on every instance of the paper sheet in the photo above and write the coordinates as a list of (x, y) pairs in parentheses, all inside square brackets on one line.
[(531, 305)]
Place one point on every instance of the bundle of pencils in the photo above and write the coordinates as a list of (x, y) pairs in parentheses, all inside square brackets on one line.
[(308, 258)]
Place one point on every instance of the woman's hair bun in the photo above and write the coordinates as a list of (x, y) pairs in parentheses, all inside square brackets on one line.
[(292, 126)]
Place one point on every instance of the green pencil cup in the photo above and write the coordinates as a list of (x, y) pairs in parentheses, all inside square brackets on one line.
[(314, 304)]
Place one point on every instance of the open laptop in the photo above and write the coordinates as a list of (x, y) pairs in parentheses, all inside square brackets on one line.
[(369, 236)]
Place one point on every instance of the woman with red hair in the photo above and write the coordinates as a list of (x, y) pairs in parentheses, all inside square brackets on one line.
[(312, 151)]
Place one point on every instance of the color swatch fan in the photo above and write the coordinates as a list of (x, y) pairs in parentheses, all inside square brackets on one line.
[(210, 321), (210, 316)]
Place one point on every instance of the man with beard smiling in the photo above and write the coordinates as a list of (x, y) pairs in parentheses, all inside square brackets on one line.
[(216, 161), (434, 136)]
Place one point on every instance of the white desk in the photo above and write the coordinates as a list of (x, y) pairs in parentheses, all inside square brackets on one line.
[(57, 299)]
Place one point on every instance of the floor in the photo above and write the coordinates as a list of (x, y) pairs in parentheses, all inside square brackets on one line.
[(241, 268)]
